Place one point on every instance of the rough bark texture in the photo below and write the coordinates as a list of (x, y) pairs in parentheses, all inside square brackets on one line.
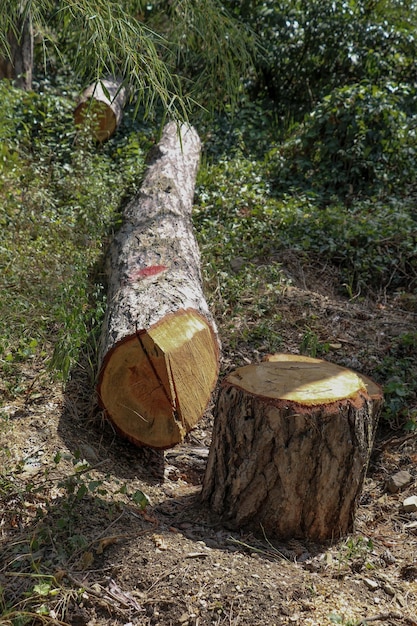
[(102, 105), (160, 352), (291, 444), (18, 65)]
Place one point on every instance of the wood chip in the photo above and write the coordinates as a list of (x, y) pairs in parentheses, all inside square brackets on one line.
[(371, 584)]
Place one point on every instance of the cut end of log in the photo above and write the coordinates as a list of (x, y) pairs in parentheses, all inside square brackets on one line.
[(101, 107), (155, 384), (99, 116)]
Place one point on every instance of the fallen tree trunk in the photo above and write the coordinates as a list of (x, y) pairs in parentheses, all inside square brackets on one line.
[(291, 445), (160, 352), (101, 106)]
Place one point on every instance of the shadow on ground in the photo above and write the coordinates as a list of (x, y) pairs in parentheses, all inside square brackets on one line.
[(87, 433)]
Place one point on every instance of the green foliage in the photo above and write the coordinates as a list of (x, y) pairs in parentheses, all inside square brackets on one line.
[(233, 218), (398, 373), (358, 140), (335, 618), (162, 50), (246, 131), (311, 48), (356, 547), (60, 196), (140, 499), (373, 242), (312, 346), (204, 47), (236, 232)]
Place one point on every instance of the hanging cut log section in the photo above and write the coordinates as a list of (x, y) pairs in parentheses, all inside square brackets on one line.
[(101, 107), (291, 445), (160, 351)]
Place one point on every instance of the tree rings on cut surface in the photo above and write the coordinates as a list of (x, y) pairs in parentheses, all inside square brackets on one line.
[(291, 444), (155, 384)]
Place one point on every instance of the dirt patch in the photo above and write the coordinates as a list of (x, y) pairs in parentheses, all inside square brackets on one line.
[(76, 525)]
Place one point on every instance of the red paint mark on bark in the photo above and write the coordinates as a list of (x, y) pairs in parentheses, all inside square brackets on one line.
[(145, 272)]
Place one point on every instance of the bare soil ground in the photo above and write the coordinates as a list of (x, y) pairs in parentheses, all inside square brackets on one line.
[(101, 558)]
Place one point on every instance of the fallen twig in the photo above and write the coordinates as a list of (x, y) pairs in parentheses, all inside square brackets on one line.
[(382, 617), (395, 441)]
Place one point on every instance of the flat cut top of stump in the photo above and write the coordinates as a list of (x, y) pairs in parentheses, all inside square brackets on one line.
[(299, 379)]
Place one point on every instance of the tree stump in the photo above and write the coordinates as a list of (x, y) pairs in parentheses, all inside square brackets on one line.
[(291, 444), (101, 106), (160, 351)]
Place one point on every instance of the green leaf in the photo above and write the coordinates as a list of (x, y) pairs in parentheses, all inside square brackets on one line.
[(140, 499), (94, 484), (42, 589), (42, 610), (81, 492)]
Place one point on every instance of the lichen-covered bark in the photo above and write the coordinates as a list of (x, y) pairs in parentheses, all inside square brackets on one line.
[(289, 471)]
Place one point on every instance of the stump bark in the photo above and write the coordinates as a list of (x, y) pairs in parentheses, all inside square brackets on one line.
[(101, 106), (160, 351), (291, 444)]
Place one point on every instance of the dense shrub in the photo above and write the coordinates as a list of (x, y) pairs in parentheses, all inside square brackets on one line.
[(373, 242), (59, 199), (310, 47), (359, 139)]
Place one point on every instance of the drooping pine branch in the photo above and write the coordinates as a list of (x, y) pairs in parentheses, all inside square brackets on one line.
[(172, 53)]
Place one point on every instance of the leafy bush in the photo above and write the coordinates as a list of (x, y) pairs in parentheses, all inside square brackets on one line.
[(374, 243), (357, 140), (310, 48), (398, 372), (59, 199), (239, 214)]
